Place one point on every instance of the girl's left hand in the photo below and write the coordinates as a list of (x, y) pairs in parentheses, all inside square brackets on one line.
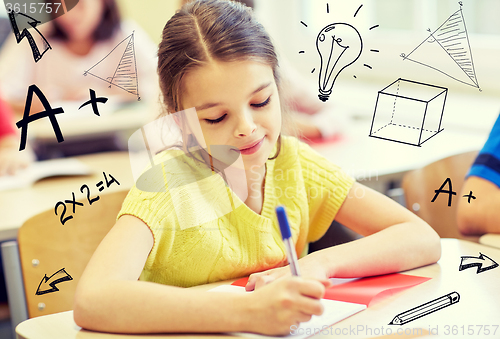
[(310, 267)]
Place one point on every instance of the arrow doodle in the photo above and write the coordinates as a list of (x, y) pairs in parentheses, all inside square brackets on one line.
[(56, 278), (26, 34), (482, 262)]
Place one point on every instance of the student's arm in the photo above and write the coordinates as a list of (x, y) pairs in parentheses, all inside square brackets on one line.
[(110, 298), (395, 240), (482, 214)]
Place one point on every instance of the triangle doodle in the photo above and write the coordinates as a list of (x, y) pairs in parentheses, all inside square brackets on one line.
[(454, 56), (124, 76)]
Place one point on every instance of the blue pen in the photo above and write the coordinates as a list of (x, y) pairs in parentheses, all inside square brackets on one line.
[(287, 239)]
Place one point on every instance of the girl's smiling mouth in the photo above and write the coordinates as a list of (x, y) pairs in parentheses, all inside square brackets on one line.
[(252, 147)]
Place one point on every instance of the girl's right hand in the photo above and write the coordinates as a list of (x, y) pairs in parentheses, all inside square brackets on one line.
[(288, 301)]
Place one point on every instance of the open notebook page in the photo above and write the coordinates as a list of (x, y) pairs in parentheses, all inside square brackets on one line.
[(43, 169), (334, 311)]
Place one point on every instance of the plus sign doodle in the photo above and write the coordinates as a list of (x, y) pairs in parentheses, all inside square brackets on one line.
[(49, 112), (93, 101), (470, 196), (450, 192)]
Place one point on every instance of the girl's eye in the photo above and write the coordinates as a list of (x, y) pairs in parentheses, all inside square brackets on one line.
[(216, 120), (262, 104)]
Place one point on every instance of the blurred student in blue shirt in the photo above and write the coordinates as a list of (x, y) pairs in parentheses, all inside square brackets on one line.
[(482, 215)]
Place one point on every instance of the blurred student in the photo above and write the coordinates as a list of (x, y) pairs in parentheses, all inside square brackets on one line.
[(11, 159), (79, 39), (482, 215)]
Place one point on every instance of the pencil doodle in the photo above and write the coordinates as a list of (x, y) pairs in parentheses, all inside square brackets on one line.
[(339, 45), (48, 284), (99, 185), (28, 20), (49, 112), (426, 308), (125, 73), (483, 263), (448, 46), (408, 112)]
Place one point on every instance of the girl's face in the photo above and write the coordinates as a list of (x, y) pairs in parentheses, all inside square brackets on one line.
[(82, 20), (237, 104)]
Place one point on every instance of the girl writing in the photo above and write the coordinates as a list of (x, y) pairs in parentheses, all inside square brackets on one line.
[(216, 58)]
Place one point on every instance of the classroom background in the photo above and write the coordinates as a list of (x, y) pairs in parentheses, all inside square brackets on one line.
[(388, 28)]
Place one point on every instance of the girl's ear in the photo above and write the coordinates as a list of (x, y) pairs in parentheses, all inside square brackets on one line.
[(177, 121)]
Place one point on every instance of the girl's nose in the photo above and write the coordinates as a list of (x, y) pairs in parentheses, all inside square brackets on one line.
[(246, 125)]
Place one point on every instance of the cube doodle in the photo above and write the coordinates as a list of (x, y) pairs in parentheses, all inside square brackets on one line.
[(408, 112)]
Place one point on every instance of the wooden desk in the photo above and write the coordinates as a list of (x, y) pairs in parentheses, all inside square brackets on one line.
[(362, 156), (17, 206), (479, 304), (492, 240), (381, 164)]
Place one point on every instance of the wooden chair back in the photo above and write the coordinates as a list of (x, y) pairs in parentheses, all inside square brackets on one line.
[(419, 188), (46, 247)]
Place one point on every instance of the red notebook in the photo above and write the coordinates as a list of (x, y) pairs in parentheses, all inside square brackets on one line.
[(363, 290)]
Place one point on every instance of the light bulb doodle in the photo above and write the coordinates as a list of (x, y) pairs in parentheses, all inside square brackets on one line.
[(339, 45)]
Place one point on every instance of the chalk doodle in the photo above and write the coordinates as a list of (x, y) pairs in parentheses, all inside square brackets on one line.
[(408, 112), (450, 192), (93, 101), (339, 45), (125, 73), (448, 46), (483, 263), (48, 284), (469, 196), (99, 185), (25, 21), (49, 112), (426, 308)]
